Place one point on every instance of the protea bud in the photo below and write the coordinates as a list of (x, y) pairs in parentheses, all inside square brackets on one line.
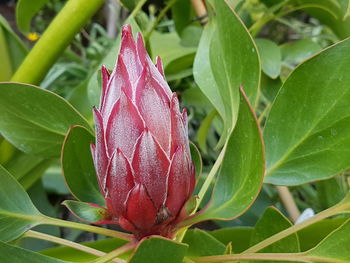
[(142, 155)]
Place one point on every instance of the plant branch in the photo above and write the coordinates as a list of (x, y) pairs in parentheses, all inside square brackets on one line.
[(115, 253), (200, 10), (64, 242), (89, 228), (162, 13), (288, 202), (340, 208), (251, 256)]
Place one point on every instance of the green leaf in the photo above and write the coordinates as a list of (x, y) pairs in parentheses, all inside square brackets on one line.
[(334, 248), (225, 51), (239, 237), (293, 53), (78, 167), (17, 212), (272, 222), (307, 133), (271, 60), (182, 15), (35, 120), (175, 56), (11, 254), (25, 11), (240, 177), (313, 234), (160, 250), (202, 244), (87, 212), (12, 50)]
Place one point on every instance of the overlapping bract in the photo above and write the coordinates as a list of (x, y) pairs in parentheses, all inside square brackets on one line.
[(141, 154)]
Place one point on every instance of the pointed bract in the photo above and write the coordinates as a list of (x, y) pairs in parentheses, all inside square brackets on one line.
[(141, 153)]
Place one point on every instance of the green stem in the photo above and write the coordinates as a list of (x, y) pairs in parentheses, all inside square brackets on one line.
[(342, 207), (64, 242), (115, 253), (137, 8), (55, 39), (259, 256), (254, 29), (162, 13), (89, 228)]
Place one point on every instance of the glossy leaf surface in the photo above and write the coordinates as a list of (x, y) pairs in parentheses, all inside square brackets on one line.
[(78, 167), (225, 51), (271, 59), (35, 120), (160, 250), (307, 133), (239, 237), (270, 223), (202, 244), (86, 212), (240, 177), (17, 212), (334, 248)]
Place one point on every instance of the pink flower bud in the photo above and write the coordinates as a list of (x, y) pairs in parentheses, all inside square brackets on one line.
[(142, 156)]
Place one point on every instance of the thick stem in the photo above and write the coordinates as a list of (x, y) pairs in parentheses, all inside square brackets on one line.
[(342, 207), (259, 256), (288, 202), (200, 10), (115, 253), (64, 242), (55, 39), (89, 228)]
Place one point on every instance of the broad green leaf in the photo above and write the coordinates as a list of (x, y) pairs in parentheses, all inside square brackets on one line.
[(17, 212), (202, 244), (78, 167), (225, 52), (272, 222), (239, 237), (331, 191), (307, 133), (11, 254), (25, 11), (175, 57), (313, 234), (12, 50), (160, 250), (293, 53), (182, 15), (26, 168), (271, 60), (35, 120), (334, 248), (240, 177), (86, 212), (71, 254)]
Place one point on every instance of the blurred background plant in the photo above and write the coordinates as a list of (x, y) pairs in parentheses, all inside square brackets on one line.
[(286, 33)]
